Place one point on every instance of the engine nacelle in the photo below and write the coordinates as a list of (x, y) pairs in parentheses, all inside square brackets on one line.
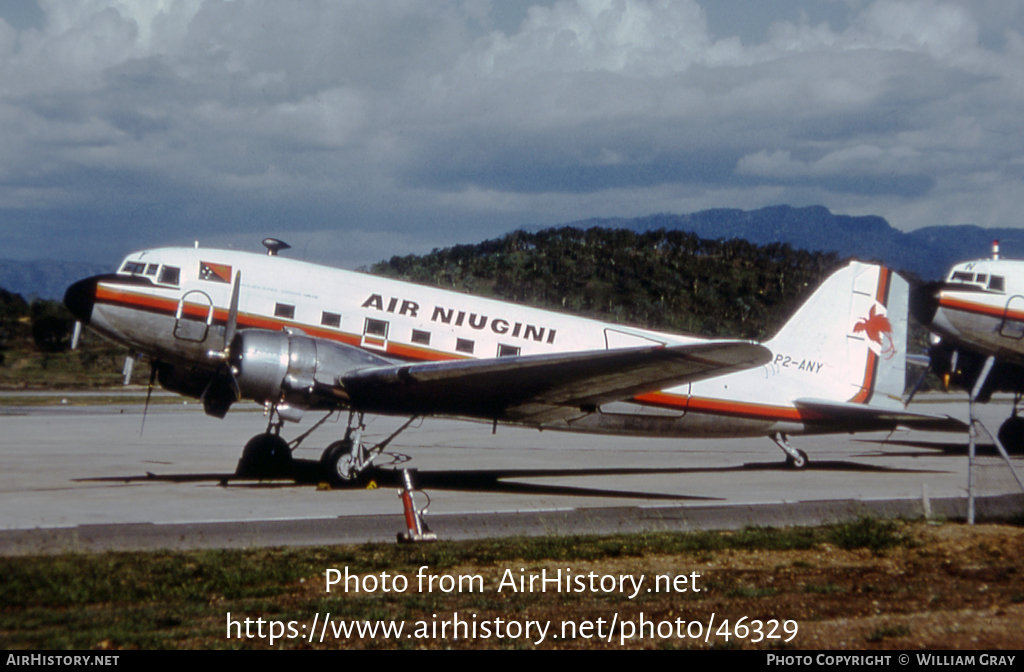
[(297, 370)]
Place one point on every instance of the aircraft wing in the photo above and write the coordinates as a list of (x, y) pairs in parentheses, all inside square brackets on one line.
[(539, 389), (860, 416)]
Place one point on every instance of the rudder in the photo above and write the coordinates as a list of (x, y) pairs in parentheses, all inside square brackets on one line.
[(855, 326)]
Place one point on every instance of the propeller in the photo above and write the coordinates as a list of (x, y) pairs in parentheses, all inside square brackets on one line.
[(924, 362), (915, 388), (76, 335), (231, 327), (222, 390), (149, 394)]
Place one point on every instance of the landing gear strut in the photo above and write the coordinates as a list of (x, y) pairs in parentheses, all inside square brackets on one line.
[(1010, 427), (346, 461), (795, 459), (342, 463)]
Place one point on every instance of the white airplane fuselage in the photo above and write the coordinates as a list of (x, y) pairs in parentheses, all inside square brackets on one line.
[(171, 305), (976, 316), (980, 306)]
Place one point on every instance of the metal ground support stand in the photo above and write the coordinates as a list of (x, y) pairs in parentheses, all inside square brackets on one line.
[(416, 528), (972, 434)]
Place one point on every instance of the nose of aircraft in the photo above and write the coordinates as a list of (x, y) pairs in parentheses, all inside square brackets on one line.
[(79, 299), (924, 302)]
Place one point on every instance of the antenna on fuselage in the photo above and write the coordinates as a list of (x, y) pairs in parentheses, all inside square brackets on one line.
[(274, 246)]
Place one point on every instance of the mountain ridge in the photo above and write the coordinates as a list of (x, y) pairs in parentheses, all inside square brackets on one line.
[(927, 252)]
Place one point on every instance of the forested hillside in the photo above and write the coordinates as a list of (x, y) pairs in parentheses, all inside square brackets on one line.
[(668, 280), (34, 341)]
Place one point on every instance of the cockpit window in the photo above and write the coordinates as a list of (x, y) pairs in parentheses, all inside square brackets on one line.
[(133, 267), (993, 283), (151, 269), (169, 275)]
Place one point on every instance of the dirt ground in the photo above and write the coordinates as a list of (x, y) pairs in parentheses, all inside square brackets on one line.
[(948, 586)]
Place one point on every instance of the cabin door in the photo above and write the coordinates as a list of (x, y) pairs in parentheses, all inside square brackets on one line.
[(193, 317), (1013, 318)]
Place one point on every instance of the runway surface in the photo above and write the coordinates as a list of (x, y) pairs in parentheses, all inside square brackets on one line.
[(81, 477)]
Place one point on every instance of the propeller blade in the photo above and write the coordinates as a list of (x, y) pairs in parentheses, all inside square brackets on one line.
[(76, 335), (232, 326), (149, 393), (914, 390), (129, 367)]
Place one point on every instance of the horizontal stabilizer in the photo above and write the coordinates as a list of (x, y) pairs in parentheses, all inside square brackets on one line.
[(542, 388), (861, 417)]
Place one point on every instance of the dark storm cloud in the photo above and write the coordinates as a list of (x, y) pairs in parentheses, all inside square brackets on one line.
[(369, 129)]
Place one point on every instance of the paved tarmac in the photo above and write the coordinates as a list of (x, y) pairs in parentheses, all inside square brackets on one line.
[(80, 476)]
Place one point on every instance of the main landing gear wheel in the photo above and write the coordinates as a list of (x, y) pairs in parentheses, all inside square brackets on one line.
[(265, 456), (1011, 435), (340, 465)]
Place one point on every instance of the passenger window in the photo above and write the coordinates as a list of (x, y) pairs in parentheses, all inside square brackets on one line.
[(421, 337), (285, 311), (169, 275), (464, 345), (376, 328), (508, 351), (330, 320)]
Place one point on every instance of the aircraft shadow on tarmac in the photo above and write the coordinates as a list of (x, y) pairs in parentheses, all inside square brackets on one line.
[(501, 481), (930, 448)]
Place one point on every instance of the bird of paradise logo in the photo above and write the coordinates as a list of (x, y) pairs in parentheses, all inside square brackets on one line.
[(877, 327)]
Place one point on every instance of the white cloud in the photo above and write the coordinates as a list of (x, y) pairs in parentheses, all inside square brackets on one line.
[(939, 29), (624, 36)]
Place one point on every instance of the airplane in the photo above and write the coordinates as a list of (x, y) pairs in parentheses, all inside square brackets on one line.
[(976, 316), (224, 325)]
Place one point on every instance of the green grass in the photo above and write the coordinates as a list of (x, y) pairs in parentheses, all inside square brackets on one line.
[(888, 632), (180, 599), (866, 532)]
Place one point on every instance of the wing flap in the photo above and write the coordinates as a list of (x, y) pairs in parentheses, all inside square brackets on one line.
[(860, 416), (542, 388)]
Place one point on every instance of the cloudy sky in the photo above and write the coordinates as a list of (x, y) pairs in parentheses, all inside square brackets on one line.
[(355, 130)]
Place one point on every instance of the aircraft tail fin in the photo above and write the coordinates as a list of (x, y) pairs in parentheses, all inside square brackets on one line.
[(848, 342)]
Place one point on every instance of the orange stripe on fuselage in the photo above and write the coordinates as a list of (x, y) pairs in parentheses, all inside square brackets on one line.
[(979, 308), (169, 307), (668, 400)]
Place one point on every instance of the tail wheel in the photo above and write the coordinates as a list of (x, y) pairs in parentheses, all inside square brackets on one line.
[(265, 456), (797, 462)]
